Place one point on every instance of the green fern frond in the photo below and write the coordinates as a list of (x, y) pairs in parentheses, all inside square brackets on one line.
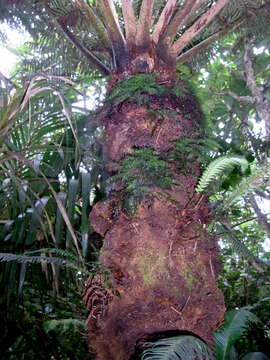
[(137, 85), (217, 167), (63, 325), (23, 259), (255, 356), (60, 253), (236, 323), (241, 249), (247, 185), (183, 347)]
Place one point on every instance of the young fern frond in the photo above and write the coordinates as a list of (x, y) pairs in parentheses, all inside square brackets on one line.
[(217, 167), (184, 347), (247, 185)]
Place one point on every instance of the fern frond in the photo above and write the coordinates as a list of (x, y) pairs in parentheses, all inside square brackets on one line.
[(241, 249), (63, 325), (23, 259), (236, 323), (60, 253), (247, 185), (255, 356), (217, 167), (183, 347)]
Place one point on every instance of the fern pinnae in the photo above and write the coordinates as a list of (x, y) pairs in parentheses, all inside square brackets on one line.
[(217, 167), (241, 249), (60, 253), (247, 185), (183, 347), (63, 325), (24, 259)]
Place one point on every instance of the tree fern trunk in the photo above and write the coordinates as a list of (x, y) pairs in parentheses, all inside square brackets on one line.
[(158, 263)]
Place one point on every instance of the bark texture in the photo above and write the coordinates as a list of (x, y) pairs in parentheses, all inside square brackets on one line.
[(161, 265)]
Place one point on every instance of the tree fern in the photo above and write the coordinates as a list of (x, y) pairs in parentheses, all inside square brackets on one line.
[(183, 347), (217, 167), (89, 35), (247, 185), (236, 323)]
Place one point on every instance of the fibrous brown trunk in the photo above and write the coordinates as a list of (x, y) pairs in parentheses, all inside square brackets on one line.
[(159, 264)]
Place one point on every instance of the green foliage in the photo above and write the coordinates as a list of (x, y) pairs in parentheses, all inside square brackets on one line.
[(255, 356), (183, 72), (63, 258), (217, 167), (136, 88), (241, 249), (258, 177), (186, 347), (32, 259), (139, 172), (40, 157), (187, 150), (236, 322), (63, 325), (161, 113), (147, 164), (183, 347), (40, 150)]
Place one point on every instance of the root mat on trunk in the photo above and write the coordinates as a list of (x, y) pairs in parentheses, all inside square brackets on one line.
[(160, 265)]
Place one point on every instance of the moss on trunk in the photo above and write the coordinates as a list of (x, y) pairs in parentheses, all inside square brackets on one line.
[(162, 263)]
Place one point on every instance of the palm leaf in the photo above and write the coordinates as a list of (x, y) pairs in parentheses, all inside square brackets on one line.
[(85, 225), (183, 347), (71, 205), (59, 223), (236, 323)]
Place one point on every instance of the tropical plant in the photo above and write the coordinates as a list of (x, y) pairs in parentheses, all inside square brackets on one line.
[(248, 184), (236, 323), (40, 154), (217, 167), (160, 250), (190, 347), (181, 347)]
